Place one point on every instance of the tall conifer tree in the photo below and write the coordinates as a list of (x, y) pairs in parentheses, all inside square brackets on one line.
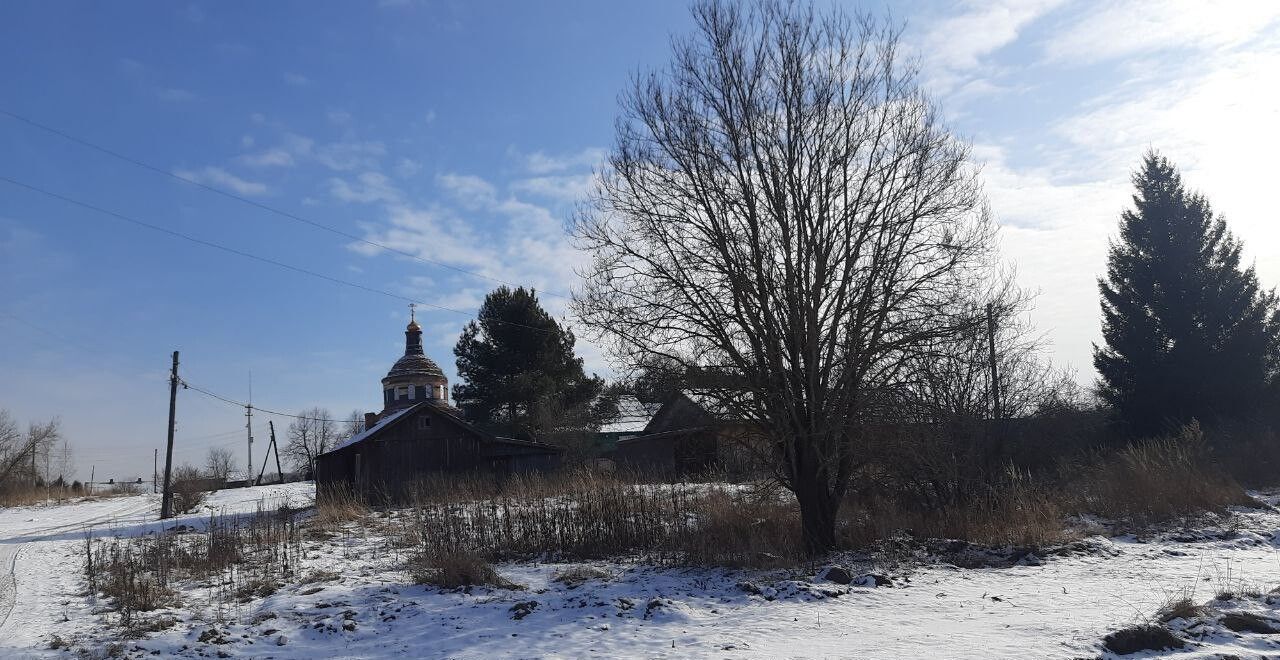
[(1188, 333), (520, 374)]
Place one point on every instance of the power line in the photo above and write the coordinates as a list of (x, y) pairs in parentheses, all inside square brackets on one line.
[(249, 255), (241, 404), (271, 209)]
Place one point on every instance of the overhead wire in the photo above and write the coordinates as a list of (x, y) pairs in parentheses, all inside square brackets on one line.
[(265, 207), (241, 404), (249, 255)]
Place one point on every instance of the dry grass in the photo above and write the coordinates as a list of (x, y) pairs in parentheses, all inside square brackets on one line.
[(1179, 607), (27, 494), (243, 557), (576, 576), (455, 571), (1017, 512), (587, 515), (339, 506), (1143, 637), (1157, 480)]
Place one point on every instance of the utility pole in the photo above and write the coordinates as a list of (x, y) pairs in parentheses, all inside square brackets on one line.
[(995, 373), (248, 428), (271, 446), (155, 469), (166, 500), (279, 472)]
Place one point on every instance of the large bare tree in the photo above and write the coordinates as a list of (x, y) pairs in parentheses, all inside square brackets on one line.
[(784, 206), (312, 433)]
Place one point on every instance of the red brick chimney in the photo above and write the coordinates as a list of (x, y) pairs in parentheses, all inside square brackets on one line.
[(370, 419)]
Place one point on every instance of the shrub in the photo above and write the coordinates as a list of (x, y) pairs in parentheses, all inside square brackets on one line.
[(575, 576), (456, 570), (1145, 637), (189, 489)]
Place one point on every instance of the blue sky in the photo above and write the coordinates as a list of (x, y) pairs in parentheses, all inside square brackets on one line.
[(462, 132)]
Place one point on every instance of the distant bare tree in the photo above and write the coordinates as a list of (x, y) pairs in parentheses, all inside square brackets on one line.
[(312, 434), (950, 377), (21, 457), (354, 424), (785, 206), (219, 463)]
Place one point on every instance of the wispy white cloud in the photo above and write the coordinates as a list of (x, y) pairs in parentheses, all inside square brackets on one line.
[(564, 188), (955, 47), (540, 162), (367, 188), (1058, 177), (274, 157), (295, 79), (216, 176), (1104, 30), (407, 168), (345, 156)]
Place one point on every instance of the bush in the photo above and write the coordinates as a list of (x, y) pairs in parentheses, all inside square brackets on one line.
[(189, 489), (575, 576), (1145, 637)]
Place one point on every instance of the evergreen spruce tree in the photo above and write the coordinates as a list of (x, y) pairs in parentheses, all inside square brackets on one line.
[(520, 375), (1188, 333)]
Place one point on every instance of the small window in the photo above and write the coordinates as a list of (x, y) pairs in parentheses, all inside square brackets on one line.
[(424, 422), (412, 390), (401, 392)]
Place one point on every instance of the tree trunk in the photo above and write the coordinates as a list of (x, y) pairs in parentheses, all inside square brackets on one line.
[(818, 509)]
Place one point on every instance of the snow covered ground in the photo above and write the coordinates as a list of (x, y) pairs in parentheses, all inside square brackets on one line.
[(360, 603)]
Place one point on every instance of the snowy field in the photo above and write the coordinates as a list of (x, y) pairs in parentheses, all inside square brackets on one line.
[(360, 603)]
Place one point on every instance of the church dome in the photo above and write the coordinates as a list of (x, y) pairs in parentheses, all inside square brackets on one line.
[(414, 377), (415, 365)]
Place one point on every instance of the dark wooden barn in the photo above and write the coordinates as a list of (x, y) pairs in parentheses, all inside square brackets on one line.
[(417, 435), (428, 438)]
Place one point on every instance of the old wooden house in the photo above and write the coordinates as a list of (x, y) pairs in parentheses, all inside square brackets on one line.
[(419, 434), (689, 435)]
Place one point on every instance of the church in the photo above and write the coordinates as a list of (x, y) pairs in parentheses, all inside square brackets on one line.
[(420, 434)]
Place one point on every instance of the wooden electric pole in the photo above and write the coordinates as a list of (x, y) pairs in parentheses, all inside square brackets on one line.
[(166, 500), (155, 471), (274, 446), (248, 429), (271, 447)]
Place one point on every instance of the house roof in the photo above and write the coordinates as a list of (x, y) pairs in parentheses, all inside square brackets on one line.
[(376, 428), (633, 416), (443, 410)]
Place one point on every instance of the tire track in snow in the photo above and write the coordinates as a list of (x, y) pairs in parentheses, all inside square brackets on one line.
[(9, 551), (8, 582)]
